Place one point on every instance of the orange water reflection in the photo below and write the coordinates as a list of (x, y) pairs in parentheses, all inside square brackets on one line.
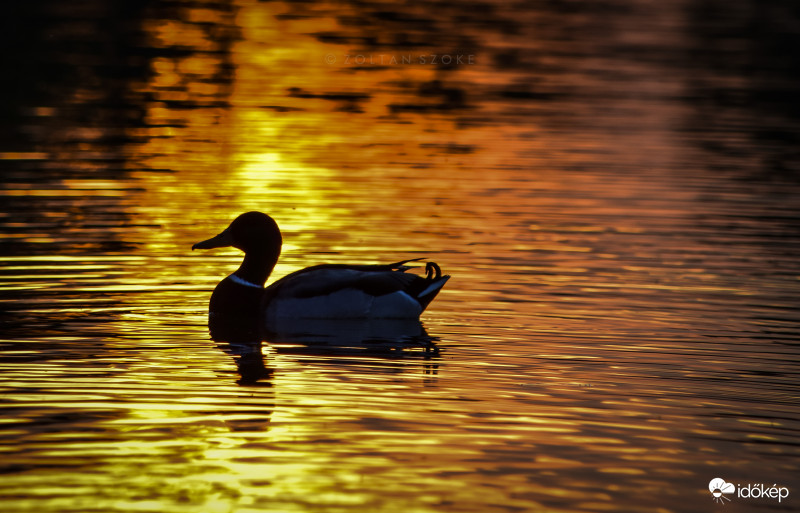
[(619, 317)]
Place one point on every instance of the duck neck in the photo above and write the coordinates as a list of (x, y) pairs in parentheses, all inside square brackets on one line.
[(257, 266)]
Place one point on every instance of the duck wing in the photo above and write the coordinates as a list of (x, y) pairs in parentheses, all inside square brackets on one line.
[(320, 280), (323, 289)]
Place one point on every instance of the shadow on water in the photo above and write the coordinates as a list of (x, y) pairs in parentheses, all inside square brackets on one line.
[(744, 107)]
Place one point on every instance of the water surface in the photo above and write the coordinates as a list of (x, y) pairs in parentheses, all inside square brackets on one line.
[(613, 188)]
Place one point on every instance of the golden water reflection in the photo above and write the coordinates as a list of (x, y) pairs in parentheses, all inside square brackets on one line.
[(620, 327)]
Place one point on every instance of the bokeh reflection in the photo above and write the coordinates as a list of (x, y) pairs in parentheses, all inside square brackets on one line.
[(612, 185)]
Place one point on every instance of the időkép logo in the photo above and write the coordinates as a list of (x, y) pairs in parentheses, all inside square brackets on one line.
[(722, 491)]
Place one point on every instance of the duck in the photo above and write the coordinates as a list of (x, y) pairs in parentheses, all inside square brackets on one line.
[(326, 291)]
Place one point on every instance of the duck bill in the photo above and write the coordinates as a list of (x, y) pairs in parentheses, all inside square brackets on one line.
[(222, 240)]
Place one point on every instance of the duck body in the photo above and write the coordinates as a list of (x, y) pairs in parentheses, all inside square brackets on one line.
[(329, 291), (352, 292)]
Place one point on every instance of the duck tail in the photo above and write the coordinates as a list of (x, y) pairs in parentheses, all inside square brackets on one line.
[(433, 283), (432, 271), (401, 265)]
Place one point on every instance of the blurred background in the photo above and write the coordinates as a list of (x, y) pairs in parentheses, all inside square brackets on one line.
[(614, 187)]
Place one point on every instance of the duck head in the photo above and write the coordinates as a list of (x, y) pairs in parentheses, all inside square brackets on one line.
[(250, 232), (238, 296)]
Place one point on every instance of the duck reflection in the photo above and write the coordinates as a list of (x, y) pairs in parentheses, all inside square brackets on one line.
[(242, 337), (249, 359), (372, 337), (239, 336)]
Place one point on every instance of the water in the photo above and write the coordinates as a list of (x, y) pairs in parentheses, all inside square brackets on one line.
[(614, 189)]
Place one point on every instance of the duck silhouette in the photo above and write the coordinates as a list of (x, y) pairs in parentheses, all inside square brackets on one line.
[(328, 291)]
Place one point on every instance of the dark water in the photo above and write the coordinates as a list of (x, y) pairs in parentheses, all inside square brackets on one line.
[(613, 186)]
